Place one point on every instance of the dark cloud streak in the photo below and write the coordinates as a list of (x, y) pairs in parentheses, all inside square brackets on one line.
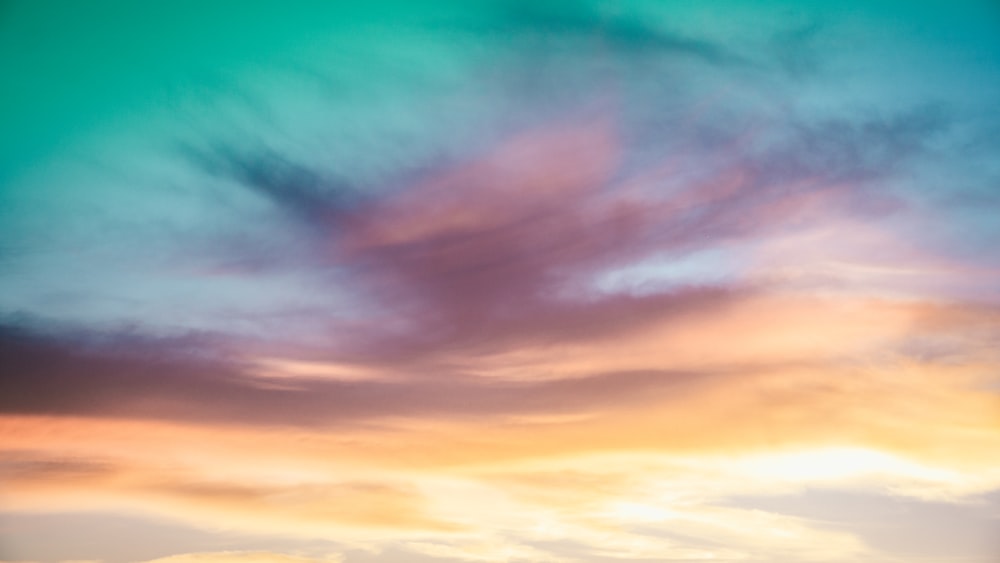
[(629, 35), (51, 377), (305, 194)]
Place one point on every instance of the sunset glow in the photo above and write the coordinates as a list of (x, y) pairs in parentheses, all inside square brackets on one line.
[(500, 281)]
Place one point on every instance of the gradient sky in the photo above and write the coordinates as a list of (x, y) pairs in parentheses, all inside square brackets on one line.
[(499, 281)]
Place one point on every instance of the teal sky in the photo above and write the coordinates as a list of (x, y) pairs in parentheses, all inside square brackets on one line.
[(74, 67)]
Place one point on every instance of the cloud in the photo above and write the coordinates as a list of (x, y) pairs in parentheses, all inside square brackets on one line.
[(243, 557), (516, 234), (310, 509), (664, 366), (640, 474), (853, 148), (827, 371)]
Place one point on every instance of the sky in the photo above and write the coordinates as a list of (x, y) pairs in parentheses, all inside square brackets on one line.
[(499, 281)]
